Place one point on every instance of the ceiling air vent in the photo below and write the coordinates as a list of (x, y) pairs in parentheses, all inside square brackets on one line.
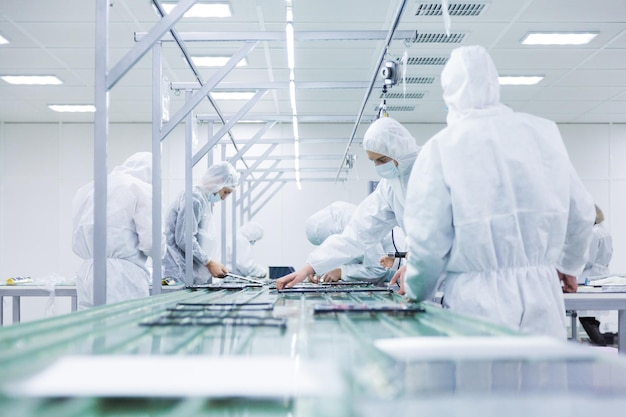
[(401, 95), (419, 80), (454, 9), (438, 38), (427, 60), (400, 108)]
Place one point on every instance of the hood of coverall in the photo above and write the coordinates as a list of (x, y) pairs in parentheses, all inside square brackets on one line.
[(218, 176), (138, 165), (251, 231), (470, 83), (388, 137), (330, 220)]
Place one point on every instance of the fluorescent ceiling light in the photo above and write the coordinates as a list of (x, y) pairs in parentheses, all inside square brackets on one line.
[(32, 79), (519, 80), (555, 38), (215, 61), (73, 108), (3, 40), (203, 9), (232, 95)]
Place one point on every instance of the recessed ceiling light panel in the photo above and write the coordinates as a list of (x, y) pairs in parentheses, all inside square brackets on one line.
[(558, 38), (519, 80), (32, 79), (213, 9), (73, 108)]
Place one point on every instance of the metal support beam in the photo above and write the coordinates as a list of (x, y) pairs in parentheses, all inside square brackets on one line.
[(207, 87), (189, 218), (289, 141), (255, 183), (257, 136), (264, 202), (264, 190), (157, 117), (265, 157), (310, 179), (229, 125), (258, 162), (199, 81), (288, 118), (280, 36), (144, 45), (277, 85), (233, 244), (326, 169), (101, 133)]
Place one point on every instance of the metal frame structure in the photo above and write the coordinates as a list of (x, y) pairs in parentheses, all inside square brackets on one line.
[(163, 31)]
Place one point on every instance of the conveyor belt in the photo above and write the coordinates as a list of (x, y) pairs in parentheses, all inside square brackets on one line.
[(330, 333)]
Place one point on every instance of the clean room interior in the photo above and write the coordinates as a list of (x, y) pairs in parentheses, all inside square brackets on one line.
[(48, 155), (291, 117)]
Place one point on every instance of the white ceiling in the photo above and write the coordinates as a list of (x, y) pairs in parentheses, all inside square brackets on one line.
[(582, 84)]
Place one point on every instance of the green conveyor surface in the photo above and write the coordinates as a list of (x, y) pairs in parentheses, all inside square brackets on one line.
[(258, 322)]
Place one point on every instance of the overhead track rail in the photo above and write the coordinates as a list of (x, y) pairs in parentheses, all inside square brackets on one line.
[(381, 58), (354, 35)]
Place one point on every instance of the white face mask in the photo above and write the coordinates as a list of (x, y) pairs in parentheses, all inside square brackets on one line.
[(214, 198), (387, 170)]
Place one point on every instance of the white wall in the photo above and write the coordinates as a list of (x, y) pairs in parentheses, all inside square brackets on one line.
[(42, 165)]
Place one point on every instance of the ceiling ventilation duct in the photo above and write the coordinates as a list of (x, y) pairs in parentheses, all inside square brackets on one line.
[(454, 9), (419, 80), (396, 108), (427, 60), (402, 95), (438, 38)]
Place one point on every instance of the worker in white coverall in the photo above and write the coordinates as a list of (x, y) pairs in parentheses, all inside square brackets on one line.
[(495, 205), (129, 232), (393, 150), (217, 183), (245, 265), (599, 254), (332, 220)]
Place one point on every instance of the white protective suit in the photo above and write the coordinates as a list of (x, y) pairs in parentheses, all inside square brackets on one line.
[(331, 220), (379, 212), (599, 254), (129, 232), (245, 265), (204, 232), (495, 205)]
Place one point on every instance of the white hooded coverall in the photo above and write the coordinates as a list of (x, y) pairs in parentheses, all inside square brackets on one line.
[(204, 239), (599, 254), (495, 205), (380, 211), (331, 220), (245, 264), (129, 232)]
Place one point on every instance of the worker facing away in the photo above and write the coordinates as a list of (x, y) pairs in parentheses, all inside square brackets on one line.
[(129, 232), (495, 206), (392, 149)]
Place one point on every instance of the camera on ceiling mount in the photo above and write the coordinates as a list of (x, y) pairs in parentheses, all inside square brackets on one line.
[(389, 73)]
